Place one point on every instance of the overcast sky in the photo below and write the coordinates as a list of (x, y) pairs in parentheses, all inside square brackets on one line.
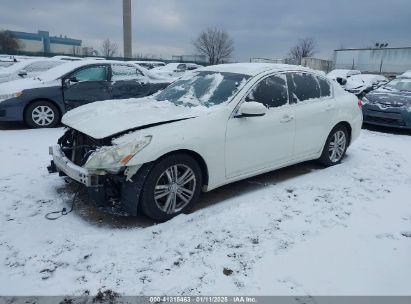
[(260, 28)]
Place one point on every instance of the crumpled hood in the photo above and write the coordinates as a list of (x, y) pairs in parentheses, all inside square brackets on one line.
[(110, 117), (389, 97)]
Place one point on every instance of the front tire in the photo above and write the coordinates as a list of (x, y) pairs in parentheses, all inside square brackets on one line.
[(42, 114), (335, 146), (172, 187)]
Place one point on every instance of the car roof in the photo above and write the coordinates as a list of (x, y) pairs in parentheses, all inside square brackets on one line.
[(253, 69), (61, 70)]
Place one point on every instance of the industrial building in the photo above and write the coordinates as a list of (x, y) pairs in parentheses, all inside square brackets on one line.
[(42, 42), (388, 61)]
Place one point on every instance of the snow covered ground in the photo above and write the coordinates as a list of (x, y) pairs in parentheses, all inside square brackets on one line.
[(303, 230)]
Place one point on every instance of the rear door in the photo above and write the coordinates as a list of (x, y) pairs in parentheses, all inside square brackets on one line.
[(315, 111), (257, 143), (85, 85), (127, 81)]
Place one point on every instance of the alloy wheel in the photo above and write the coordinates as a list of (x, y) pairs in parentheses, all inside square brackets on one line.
[(337, 145), (175, 188)]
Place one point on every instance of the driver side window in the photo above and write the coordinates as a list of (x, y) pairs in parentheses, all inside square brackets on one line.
[(271, 91), (94, 73)]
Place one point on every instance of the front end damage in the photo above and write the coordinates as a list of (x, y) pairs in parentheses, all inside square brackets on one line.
[(109, 188)]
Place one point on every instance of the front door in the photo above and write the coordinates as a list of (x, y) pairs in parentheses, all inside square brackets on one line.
[(86, 85), (258, 143)]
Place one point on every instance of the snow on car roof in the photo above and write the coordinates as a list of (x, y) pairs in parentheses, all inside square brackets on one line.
[(21, 65), (252, 69), (61, 70), (343, 73), (407, 74)]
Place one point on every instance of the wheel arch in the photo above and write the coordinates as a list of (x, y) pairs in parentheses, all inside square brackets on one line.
[(347, 125), (200, 160)]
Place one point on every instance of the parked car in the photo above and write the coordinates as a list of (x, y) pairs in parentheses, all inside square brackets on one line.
[(212, 127), (175, 70), (406, 74), (362, 84), (66, 58), (94, 58), (6, 61), (27, 68), (342, 75), (149, 64), (389, 105), (40, 102)]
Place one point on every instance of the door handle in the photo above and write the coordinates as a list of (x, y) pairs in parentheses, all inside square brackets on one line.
[(329, 108), (286, 118)]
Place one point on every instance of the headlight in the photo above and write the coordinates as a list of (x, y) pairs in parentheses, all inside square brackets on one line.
[(117, 155), (8, 96)]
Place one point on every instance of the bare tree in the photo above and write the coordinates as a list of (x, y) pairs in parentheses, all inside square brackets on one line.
[(304, 48), (216, 44), (109, 48), (8, 43)]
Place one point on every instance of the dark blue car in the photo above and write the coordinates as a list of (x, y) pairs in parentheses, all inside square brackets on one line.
[(41, 101), (390, 105)]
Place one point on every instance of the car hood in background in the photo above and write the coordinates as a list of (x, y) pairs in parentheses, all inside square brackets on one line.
[(111, 117), (390, 97), (20, 85)]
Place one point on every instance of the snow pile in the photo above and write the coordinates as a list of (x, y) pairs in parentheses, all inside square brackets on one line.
[(303, 230)]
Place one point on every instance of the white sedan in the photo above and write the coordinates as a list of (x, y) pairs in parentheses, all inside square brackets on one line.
[(212, 127), (27, 68)]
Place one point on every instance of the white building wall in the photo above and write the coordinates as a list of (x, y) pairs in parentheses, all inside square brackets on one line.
[(64, 49), (394, 61), (31, 45)]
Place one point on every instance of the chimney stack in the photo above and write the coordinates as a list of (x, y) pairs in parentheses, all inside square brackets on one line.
[(127, 28)]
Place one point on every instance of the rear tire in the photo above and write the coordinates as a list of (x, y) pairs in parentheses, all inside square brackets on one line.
[(335, 146), (42, 114), (172, 187)]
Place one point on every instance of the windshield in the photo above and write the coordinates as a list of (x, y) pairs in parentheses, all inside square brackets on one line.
[(403, 84), (203, 88)]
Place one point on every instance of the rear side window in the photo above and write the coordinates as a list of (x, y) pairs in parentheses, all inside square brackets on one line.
[(324, 87), (120, 71), (95, 73), (271, 92), (303, 86)]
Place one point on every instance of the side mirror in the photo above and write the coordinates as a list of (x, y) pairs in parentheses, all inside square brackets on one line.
[(252, 109), (341, 81), (67, 82), (22, 73)]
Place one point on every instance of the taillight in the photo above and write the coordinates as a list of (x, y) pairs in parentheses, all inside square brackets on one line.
[(360, 103)]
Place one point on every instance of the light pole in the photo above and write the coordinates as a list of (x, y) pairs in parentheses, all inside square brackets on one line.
[(127, 28)]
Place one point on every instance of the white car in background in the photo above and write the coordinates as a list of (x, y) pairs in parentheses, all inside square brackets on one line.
[(175, 70), (213, 126), (406, 74), (342, 75), (149, 64), (27, 68), (364, 83), (67, 58)]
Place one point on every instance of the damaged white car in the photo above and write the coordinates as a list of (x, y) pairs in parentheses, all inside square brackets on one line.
[(215, 126)]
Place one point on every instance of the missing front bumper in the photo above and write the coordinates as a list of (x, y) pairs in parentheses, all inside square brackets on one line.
[(62, 164), (102, 188)]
